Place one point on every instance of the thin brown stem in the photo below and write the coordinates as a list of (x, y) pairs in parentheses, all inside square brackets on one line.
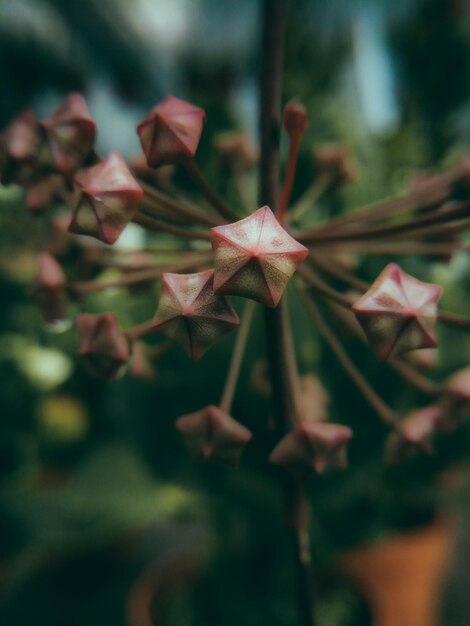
[(386, 414), (309, 197), (139, 331), (323, 289), (153, 224), (228, 393), (293, 153), (275, 319), (454, 319), (222, 209), (140, 276)]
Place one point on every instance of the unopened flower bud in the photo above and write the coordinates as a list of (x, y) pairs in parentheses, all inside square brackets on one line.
[(336, 163), (255, 257), (71, 133), (49, 289), (455, 401), (313, 446), (141, 365), (41, 194), (235, 151), (109, 197), (295, 118), (213, 434), (415, 434), (102, 345), (398, 313), (171, 131), (191, 314), (19, 147)]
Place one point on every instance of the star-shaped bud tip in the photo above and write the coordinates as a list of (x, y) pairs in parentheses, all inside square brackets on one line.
[(398, 313), (171, 131), (71, 133), (191, 314), (102, 346), (108, 199), (213, 434), (313, 446), (255, 257), (414, 435)]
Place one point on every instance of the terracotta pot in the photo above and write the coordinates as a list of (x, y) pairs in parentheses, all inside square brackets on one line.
[(402, 579)]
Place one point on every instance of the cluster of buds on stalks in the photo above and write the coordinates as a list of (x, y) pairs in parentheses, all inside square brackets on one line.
[(212, 251)]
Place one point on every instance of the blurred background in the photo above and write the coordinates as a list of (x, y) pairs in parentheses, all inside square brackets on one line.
[(101, 511)]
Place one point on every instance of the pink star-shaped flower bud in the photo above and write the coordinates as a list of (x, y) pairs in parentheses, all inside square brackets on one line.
[(316, 446), (415, 434), (213, 434), (49, 289), (191, 314), (171, 131), (398, 313), (455, 401), (255, 257), (71, 133), (109, 197), (102, 346)]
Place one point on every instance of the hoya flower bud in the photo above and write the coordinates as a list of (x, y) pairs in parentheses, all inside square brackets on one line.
[(235, 151), (213, 434), (191, 314), (19, 147), (171, 131), (415, 434), (455, 402), (109, 197), (71, 133), (41, 194), (102, 346), (255, 257), (141, 365), (398, 313), (335, 162), (50, 288), (295, 119), (316, 446)]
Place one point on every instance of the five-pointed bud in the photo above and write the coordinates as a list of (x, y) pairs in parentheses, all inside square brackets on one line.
[(49, 289), (295, 119), (109, 197), (317, 446), (255, 257), (213, 434), (398, 313), (414, 435), (171, 131), (71, 133), (102, 345), (191, 314), (455, 401)]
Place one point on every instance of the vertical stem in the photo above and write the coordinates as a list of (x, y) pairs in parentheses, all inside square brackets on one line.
[(237, 357), (276, 322)]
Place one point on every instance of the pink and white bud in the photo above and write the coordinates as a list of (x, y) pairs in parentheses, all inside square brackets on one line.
[(398, 313), (214, 435), (313, 446), (50, 288), (191, 314), (102, 346), (70, 133), (415, 434), (255, 257), (109, 197), (171, 131)]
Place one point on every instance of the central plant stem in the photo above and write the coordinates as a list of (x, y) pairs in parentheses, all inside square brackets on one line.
[(277, 327)]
